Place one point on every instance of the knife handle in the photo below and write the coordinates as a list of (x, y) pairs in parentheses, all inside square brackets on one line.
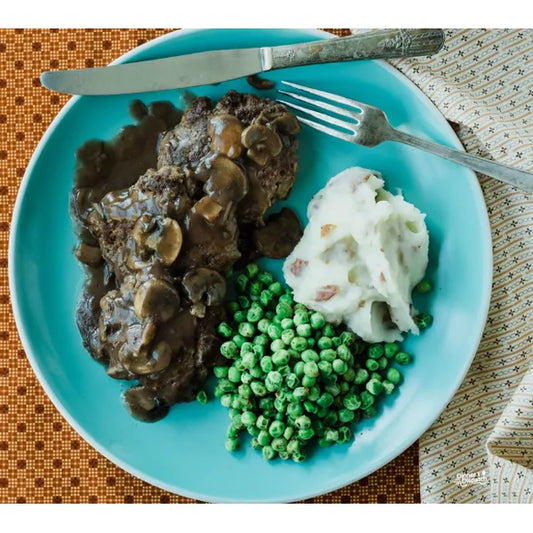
[(379, 44)]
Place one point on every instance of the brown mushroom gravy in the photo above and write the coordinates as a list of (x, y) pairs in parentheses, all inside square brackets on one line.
[(164, 211)]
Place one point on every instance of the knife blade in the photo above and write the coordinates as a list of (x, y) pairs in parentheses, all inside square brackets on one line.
[(204, 68)]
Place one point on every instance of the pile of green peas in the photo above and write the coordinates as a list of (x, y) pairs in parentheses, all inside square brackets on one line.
[(295, 379)]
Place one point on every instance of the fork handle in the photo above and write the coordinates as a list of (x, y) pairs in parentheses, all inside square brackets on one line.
[(518, 178), (380, 44)]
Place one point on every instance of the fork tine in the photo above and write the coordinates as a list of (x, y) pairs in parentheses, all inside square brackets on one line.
[(317, 114), (325, 129), (329, 96), (323, 105)]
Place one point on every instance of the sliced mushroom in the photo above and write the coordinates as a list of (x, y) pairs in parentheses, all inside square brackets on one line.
[(225, 132), (208, 208), (144, 405), (156, 299), (166, 240), (278, 237), (89, 255), (227, 182), (204, 286), (262, 142), (146, 362), (257, 82), (287, 123), (161, 235)]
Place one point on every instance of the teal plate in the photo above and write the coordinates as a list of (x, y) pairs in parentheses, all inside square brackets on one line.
[(184, 453)]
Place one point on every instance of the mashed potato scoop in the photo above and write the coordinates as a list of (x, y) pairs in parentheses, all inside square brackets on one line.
[(361, 254)]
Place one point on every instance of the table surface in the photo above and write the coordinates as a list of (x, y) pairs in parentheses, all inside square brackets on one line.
[(42, 459)]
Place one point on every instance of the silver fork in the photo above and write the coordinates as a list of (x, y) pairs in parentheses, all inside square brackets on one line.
[(369, 126)]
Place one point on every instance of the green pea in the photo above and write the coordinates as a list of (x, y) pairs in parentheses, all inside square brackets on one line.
[(299, 368), (310, 407), (279, 444), (276, 288), (262, 422), (361, 376), (263, 324), (201, 397), (287, 335), (258, 388), (248, 418), (229, 349), (328, 331), (293, 446), (299, 344), (304, 330), (349, 375), (331, 418), (388, 387), (325, 368), (268, 453), (311, 342), (325, 399), (324, 343), (332, 435), (306, 434), (391, 349), (294, 410), (402, 358), (310, 356), (244, 302), (376, 351), (254, 314), (283, 310), (328, 355), (288, 433), (281, 357), (287, 323), (344, 353), (280, 405), (264, 438), (255, 288), (317, 320), (239, 340), (266, 364), (265, 277), (323, 442), (255, 444), (347, 338), (383, 362), (423, 320), (370, 412), (276, 429), (311, 369), (225, 330), (376, 375), (300, 392), (242, 282), (314, 393), (273, 380), (256, 372), (424, 286), (372, 364), (344, 387), (333, 389), (308, 381), (339, 366), (244, 390), (345, 415), (266, 297), (274, 331), (374, 387), (226, 400), (234, 375), (291, 380), (394, 375), (345, 434), (252, 270), (250, 359), (246, 347), (351, 402), (367, 399), (301, 316), (220, 371), (232, 444), (336, 341)]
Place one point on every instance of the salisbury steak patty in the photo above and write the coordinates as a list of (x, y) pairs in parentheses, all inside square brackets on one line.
[(258, 134)]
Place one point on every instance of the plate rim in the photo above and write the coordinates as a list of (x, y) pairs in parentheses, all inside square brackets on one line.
[(100, 448)]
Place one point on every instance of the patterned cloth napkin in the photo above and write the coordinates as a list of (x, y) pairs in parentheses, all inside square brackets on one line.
[(481, 447)]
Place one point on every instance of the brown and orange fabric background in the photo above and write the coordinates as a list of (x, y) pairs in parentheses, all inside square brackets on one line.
[(42, 459)]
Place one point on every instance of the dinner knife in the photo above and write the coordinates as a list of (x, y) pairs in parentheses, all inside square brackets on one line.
[(205, 68)]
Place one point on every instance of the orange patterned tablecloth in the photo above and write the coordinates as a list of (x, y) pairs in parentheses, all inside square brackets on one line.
[(42, 459)]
